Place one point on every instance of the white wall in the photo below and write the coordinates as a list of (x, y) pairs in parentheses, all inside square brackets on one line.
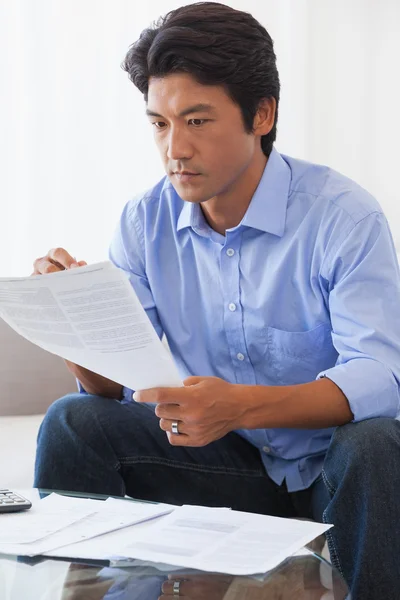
[(75, 144)]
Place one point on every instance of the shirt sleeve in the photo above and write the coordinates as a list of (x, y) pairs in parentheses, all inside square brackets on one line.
[(127, 253), (364, 302)]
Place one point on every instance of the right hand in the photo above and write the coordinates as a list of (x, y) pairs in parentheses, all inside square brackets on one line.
[(57, 259)]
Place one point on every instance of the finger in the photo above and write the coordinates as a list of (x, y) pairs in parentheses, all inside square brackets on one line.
[(192, 381), (175, 395), (166, 425), (44, 265), (61, 256), (80, 263), (35, 271), (173, 412), (36, 265), (183, 439)]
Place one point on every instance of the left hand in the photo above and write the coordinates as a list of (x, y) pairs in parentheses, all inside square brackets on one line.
[(206, 409)]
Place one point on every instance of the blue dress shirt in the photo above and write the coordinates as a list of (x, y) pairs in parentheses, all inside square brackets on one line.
[(306, 286)]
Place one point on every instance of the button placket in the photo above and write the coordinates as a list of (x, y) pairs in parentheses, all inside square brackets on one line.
[(233, 313)]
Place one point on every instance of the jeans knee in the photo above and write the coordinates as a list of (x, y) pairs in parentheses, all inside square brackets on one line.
[(366, 448), (71, 412), (62, 408), (372, 436)]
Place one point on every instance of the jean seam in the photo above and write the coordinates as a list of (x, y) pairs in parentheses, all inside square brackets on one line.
[(331, 488), (331, 542), (189, 466)]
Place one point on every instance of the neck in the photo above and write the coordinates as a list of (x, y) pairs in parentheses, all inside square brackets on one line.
[(226, 210)]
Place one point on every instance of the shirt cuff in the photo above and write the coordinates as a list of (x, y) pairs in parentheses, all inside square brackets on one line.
[(81, 389), (126, 395), (370, 388)]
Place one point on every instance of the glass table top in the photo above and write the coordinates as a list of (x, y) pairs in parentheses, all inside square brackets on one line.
[(305, 576)]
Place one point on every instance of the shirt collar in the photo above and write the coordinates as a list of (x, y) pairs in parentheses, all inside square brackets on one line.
[(187, 218), (267, 209)]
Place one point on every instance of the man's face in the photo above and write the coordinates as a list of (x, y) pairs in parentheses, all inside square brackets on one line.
[(200, 134)]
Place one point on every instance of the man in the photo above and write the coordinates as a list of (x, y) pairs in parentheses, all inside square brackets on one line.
[(277, 286)]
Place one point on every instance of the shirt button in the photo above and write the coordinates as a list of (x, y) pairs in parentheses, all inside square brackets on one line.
[(266, 449), (240, 356), (230, 252), (232, 307)]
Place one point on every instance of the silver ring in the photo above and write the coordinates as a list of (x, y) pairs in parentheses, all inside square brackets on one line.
[(177, 584), (174, 427)]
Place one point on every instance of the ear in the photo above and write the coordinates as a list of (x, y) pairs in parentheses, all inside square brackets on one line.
[(265, 116)]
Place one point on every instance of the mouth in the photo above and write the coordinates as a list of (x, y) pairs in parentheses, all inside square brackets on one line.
[(186, 176)]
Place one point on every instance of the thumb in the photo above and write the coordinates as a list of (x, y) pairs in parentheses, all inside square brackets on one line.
[(192, 380)]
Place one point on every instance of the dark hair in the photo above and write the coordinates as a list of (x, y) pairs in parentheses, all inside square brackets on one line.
[(217, 45)]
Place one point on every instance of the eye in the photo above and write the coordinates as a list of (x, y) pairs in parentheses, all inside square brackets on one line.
[(197, 122), (159, 124)]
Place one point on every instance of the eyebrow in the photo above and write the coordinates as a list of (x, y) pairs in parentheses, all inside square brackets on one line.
[(187, 111)]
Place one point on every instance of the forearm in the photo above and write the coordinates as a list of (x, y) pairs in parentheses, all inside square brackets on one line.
[(94, 383), (314, 405)]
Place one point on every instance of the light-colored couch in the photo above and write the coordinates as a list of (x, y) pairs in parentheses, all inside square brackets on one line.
[(30, 380)]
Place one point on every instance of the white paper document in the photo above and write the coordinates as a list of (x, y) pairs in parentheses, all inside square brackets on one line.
[(224, 541), (87, 520), (90, 316), (99, 548), (207, 539), (46, 517)]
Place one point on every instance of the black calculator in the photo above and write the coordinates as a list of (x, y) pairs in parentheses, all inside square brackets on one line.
[(12, 502)]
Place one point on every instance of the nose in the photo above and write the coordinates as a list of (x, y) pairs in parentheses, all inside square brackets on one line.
[(178, 145)]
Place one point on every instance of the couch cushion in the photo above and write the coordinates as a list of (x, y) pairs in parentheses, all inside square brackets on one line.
[(30, 378), (18, 448)]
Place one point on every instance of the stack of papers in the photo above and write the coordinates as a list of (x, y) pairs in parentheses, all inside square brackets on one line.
[(220, 540), (123, 532), (44, 519), (58, 521)]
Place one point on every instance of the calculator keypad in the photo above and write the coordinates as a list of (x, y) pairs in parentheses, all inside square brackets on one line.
[(10, 499)]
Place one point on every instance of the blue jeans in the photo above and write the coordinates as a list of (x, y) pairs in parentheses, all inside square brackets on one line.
[(99, 445)]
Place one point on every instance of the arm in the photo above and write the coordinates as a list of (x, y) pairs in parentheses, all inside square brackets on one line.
[(364, 303), (95, 384), (314, 405), (362, 276), (208, 408), (363, 279)]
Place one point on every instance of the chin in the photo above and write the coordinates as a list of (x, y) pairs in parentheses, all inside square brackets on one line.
[(194, 196)]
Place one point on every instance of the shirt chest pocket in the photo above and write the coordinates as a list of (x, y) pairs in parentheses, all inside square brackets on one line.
[(297, 357)]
